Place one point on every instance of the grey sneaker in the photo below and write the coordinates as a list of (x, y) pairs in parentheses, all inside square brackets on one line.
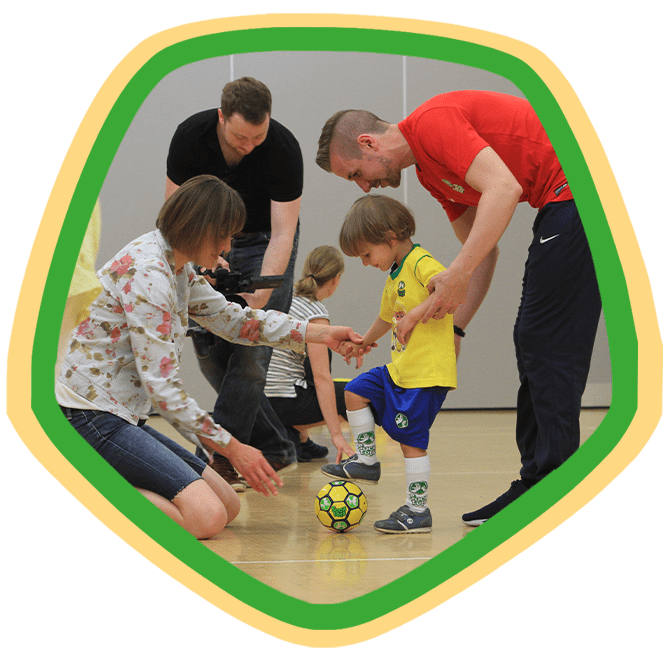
[(354, 470), (405, 520)]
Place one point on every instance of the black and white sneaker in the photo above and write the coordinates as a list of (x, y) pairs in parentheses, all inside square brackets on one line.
[(480, 516)]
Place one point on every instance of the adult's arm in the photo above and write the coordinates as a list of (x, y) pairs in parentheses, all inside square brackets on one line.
[(170, 187), (250, 463), (284, 219), (480, 231), (324, 388), (480, 281)]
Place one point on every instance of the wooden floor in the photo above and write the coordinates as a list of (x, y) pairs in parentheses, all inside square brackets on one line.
[(279, 541)]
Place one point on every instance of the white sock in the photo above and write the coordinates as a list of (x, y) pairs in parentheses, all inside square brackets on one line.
[(417, 482), (363, 430)]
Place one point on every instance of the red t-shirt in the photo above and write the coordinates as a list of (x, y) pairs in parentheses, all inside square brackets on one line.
[(447, 132)]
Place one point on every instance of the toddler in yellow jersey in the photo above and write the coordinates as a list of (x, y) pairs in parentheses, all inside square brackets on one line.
[(404, 396)]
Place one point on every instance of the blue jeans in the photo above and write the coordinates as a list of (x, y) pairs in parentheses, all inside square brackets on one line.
[(146, 458), (554, 340), (238, 373)]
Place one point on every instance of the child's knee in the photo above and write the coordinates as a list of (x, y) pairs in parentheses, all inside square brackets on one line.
[(412, 451), (354, 401)]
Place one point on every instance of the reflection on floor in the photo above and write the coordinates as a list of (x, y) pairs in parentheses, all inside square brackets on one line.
[(279, 541)]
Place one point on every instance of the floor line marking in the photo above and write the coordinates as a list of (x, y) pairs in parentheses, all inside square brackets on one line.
[(413, 558)]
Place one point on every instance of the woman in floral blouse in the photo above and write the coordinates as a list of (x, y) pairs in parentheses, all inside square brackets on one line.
[(124, 359)]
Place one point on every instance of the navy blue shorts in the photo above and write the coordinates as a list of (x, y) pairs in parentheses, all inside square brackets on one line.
[(406, 414)]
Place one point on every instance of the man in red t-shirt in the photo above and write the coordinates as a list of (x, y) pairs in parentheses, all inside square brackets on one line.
[(480, 154)]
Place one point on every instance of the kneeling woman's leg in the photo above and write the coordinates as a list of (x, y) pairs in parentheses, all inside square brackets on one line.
[(198, 503), (172, 478)]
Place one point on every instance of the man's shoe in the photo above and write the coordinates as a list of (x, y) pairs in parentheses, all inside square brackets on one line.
[(302, 454), (223, 467), (354, 470), (313, 450), (293, 435), (478, 517), (405, 520)]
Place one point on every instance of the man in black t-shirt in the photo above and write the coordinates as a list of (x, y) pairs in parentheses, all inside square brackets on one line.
[(259, 158)]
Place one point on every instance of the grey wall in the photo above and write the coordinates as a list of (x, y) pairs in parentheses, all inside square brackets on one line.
[(307, 88)]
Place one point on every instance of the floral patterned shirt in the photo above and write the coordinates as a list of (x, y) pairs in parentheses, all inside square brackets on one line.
[(124, 357)]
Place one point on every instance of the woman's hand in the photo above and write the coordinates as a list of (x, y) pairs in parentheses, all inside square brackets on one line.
[(253, 466), (340, 339), (350, 350)]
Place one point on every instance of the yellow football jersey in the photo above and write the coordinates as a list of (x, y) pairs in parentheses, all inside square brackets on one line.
[(428, 358)]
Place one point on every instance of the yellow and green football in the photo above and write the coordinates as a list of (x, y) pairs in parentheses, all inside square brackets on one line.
[(340, 506)]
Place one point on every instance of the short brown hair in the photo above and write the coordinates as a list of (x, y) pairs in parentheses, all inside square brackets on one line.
[(369, 221), (248, 97), (321, 265), (342, 129), (204, 207)]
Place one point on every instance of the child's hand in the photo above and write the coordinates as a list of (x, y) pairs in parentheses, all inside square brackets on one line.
[(338, 338), (354, 351), (346, 350), (405, 328), (342, 447)]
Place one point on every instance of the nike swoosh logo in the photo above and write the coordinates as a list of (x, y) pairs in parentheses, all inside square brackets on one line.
[(554, 236)]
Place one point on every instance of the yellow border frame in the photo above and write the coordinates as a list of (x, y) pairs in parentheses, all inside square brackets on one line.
[(649, 341)]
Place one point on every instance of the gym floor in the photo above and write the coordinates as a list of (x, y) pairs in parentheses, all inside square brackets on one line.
[(279, 541)]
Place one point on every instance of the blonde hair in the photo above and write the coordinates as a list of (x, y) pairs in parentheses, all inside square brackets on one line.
[(321, 265), (369, 221)]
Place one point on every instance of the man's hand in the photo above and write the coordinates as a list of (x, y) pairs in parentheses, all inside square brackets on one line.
[(220, 262), (257, 299), (449, 288)]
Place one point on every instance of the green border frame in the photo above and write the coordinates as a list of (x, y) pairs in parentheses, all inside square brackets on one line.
[(619, 320)]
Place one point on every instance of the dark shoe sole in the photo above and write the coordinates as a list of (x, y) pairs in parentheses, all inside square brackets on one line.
[(366, 481)]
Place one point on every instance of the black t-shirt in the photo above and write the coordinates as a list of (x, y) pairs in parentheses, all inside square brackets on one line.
[(274, 170)]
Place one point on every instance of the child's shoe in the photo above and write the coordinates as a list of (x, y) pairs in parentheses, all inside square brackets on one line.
[(405, 520), (354, 470)]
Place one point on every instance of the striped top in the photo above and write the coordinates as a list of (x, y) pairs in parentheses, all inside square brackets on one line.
[(286, 368)]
